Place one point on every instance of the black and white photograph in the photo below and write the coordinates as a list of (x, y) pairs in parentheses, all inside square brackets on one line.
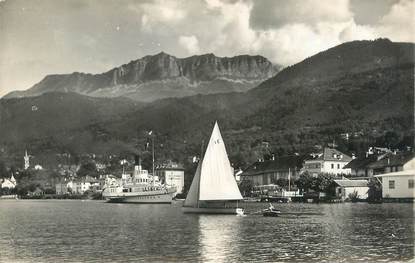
[(207, 131)]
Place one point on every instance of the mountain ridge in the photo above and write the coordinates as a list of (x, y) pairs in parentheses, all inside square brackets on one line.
[(160, 76)]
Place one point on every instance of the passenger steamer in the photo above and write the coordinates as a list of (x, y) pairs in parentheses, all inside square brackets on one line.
[(139, 187)]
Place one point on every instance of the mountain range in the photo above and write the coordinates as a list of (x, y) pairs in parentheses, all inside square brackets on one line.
[(359, 87), (162, 76)]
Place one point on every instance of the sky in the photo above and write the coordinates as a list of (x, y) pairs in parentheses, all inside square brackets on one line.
[(41, 37)]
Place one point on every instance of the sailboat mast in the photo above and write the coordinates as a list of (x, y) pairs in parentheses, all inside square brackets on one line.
[(201, 149), (200, 160), (152, 142)]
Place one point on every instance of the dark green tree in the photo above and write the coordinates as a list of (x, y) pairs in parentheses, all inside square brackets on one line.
[(88, 168), (325, 183), (321, 183), (3, 170), (245, 187), (282, 182), (305, 182), (375, 190)]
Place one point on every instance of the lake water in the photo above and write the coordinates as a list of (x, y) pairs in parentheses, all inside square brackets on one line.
[(94, 231)]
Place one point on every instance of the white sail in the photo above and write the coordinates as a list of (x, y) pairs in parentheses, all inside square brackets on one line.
[(216, 178), (193, 195)]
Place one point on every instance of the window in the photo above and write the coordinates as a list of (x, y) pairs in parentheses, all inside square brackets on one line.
[(338, 166), (332, 166), (411, 183), (391, 184)]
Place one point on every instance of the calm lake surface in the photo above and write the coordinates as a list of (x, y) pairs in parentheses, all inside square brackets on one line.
[(94, 231)]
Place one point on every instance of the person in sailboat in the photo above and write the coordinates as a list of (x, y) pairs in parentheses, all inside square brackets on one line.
[(271, 207)]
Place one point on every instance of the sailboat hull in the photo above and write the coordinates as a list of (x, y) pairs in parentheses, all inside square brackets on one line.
[(206, 210)]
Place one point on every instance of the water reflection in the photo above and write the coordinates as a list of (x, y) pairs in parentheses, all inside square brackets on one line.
[(218, 236), (74, 231)]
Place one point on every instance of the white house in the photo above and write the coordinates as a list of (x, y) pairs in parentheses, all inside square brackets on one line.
[(172, 174), (346, 187), (238, 175), (398, 185), (78, 187), (9, 183), (329, 161), (110, 180), (38, 167)]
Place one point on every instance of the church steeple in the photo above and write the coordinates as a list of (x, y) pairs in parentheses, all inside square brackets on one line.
[(12, 179), (26, 161)]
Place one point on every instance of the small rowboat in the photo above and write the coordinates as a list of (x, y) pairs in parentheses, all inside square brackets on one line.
[(271, 212)]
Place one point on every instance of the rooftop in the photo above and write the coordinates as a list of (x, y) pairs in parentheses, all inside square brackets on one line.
[(170, 166), (278, 164), (331, 154), (351, 183), (361, 162), (400, 173), (392, 159)]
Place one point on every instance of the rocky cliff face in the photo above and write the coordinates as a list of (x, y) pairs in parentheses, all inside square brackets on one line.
[(196, 68), (161, 76)]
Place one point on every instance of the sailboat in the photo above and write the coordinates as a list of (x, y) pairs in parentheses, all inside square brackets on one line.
[(214, 189)]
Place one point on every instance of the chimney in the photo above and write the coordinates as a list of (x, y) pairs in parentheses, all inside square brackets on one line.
[(137, 162)]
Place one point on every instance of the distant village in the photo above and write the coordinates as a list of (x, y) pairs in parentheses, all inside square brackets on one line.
[(78, 181), (328, 175)]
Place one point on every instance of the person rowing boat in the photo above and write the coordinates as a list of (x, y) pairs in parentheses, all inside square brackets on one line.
[(271, 211)]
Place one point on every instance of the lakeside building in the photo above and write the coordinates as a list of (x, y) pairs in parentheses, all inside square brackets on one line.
[(74, 187), (79, 186), (359, 166), (374, 164), (237, 174), (330, 161), (61, 188), (108, 180), (398, 186), (346, 187), (37, 192), (269, 172), (9, 183), (172, 174), (394, 162)]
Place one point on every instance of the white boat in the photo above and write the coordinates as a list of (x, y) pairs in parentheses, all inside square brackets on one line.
[(214, 189), (139, 187)]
